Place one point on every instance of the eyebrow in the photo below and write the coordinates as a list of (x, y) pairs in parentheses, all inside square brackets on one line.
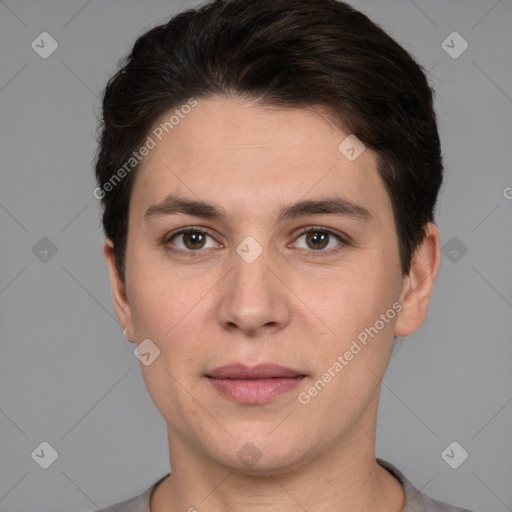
[(173, 205)]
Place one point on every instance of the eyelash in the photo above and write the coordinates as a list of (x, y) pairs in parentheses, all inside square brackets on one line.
[(343, 241)]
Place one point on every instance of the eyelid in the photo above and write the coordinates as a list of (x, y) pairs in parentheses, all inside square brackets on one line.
[(187, 229), (342, 238)]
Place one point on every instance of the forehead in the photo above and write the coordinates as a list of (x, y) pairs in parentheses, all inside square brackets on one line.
[(249, 156)]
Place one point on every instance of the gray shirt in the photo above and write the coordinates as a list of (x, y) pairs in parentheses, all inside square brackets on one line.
[(415, 500)]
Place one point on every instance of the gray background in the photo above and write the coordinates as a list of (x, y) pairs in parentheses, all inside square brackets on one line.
[(68, 377)]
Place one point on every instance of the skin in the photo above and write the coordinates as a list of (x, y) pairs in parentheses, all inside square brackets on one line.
[(299, 304)]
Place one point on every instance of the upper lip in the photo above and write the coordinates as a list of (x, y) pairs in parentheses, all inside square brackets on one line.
[(260, 371)]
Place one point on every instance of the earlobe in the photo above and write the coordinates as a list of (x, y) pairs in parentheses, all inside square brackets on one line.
[(419, 283), (118, 290)]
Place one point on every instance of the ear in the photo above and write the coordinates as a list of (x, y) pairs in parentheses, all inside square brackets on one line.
[(419, 282), (118, 289)]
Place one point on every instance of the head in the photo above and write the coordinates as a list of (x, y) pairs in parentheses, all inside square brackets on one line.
[(247, 122)]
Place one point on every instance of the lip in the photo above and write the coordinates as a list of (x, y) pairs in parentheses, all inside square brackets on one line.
[(260, 371), (254, 384)]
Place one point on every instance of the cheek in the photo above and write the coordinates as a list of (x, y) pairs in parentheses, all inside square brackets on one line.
[(351, 362), (158, 298), (170, 311), (355, 298), (358, 306), (163, 311)]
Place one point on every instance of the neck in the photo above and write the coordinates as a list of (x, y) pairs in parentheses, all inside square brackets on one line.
[(344, 477)]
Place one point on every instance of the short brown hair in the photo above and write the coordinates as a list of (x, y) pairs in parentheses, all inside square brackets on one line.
[(284, 53)]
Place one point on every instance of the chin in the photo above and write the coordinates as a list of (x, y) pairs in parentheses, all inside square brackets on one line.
[(262, 455)]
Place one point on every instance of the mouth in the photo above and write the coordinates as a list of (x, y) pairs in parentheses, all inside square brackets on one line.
[(254, 385)]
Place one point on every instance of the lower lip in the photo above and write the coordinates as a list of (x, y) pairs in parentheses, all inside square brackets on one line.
[(255, 391)]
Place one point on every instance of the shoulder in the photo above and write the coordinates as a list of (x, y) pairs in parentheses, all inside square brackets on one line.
[(415, 500), (139, 503)]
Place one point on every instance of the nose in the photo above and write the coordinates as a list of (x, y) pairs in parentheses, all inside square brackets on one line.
[(254, 299)]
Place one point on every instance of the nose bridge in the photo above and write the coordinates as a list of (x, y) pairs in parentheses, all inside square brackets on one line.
[(250, 273), (253, 297), (250, 280)]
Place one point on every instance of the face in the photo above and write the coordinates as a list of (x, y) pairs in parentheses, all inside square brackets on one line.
[(289, 257)]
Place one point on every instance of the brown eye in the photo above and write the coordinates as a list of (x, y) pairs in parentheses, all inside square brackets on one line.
[(190, 240), (320, 241), (317, 239), (193, 240)]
